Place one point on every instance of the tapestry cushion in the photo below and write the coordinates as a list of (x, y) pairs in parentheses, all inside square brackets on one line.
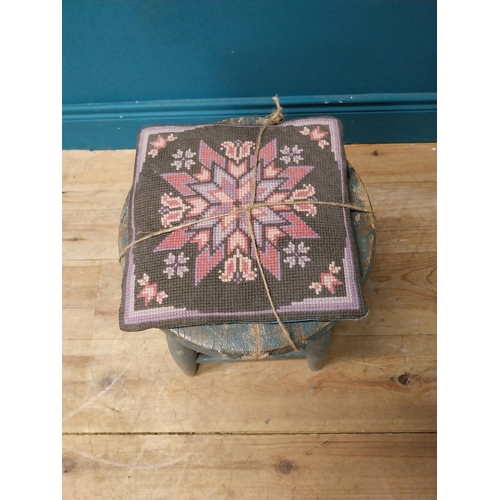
[(207, 273)]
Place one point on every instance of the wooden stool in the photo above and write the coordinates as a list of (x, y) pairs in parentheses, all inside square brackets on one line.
[(190, 346)]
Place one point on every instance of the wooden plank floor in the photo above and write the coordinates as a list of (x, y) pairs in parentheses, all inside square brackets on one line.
[(363, 427)]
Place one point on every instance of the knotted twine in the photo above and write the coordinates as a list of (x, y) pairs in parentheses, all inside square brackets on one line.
[(274, 118)]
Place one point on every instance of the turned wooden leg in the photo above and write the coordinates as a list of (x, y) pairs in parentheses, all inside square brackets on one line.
[(317, 350), (183, 356)]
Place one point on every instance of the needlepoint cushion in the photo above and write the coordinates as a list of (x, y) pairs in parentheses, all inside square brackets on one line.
[(207, 273)]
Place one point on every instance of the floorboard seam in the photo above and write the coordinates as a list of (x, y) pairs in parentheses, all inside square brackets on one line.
[(244, 433)]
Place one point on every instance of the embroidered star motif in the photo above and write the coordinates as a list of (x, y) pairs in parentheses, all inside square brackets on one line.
[(224, 184)]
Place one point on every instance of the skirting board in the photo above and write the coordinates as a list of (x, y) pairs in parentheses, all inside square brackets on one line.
[(367, 118)]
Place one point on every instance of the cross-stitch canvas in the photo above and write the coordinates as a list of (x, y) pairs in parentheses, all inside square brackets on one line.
[(207, 273)]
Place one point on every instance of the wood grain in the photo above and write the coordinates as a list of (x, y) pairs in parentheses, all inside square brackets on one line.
[(77, 323), (93, 207), (95, 185), (193, 467), (91, 241), (394, 163), (97, 170), (134, 386), (406, 216), (80, 279)]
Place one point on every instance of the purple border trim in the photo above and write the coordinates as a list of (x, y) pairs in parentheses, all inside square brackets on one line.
[(323, 304)]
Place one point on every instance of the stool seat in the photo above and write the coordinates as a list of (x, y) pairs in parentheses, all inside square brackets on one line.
[(255, 341)]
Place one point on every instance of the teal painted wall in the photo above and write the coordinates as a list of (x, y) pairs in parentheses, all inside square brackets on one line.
[(123, 51)]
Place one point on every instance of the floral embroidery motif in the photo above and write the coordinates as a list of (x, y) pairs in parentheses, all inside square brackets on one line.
[(296, 254), (316, 135), (305, 194), (291, 154), (183, 159), (150, 291), (176, 265), (160, 143), (223, 185), (237, 150), (238, 268), (172, 209), (327, 280)]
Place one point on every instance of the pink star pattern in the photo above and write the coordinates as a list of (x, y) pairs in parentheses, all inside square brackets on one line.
[(224, 183)]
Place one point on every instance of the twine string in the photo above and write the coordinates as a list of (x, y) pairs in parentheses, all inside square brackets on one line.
[(237, 212), (271, 119)]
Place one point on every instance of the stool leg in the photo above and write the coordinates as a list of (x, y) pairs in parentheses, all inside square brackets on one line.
[(317, 350), (183, 356)]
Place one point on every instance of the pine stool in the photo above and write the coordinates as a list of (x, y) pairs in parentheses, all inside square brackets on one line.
[(240, 341)]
